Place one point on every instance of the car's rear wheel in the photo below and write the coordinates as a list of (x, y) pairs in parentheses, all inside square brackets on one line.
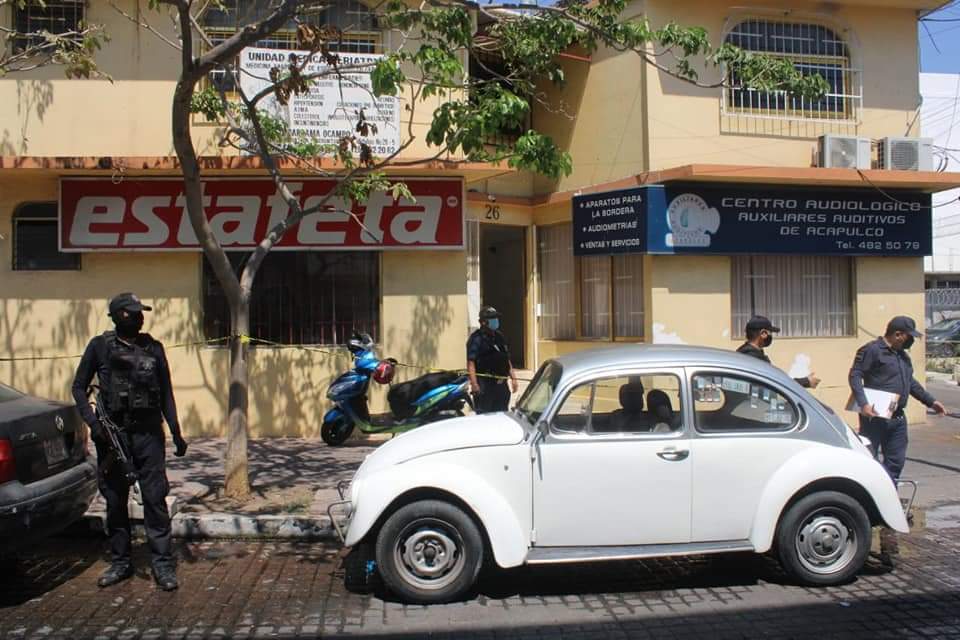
[(824, 538), (429, 551)]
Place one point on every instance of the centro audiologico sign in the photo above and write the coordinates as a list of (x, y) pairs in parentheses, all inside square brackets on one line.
[(697, 219), (150, 215)]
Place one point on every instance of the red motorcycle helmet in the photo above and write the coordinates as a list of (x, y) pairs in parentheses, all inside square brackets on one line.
[(385, 371)]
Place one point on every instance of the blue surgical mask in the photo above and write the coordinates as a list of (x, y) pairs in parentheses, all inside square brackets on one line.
[(493, 323)]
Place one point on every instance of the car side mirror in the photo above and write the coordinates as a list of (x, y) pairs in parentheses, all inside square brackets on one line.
[(543, 427)]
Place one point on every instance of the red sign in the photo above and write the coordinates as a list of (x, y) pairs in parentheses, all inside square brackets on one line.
[(149, 215)]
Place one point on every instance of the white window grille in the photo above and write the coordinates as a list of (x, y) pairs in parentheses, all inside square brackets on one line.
[(813, 49), (803, 295)]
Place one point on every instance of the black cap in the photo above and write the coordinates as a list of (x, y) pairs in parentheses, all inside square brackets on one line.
[(127, 301), (489, 312), (905, 324), (759, 323)]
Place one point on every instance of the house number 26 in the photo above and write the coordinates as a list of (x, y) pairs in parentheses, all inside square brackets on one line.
[(493, 212)]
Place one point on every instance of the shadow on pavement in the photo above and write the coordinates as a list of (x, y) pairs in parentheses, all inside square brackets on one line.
[(37, 571)]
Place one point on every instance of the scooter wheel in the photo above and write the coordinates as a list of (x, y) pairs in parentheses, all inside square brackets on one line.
[(336, 432)]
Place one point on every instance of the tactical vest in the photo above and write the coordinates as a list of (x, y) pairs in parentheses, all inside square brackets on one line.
[(134, 377), (494, 359)]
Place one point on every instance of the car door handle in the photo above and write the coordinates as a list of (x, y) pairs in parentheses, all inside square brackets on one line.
[(674, 454)]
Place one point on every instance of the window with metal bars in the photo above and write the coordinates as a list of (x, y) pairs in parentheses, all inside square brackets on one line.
[(36, 245), (53, 16), (592, 297), (303, 297), (813, 49), (805, 296), (358, 26)]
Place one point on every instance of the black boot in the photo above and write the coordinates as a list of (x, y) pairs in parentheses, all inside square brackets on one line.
[(115, 573), (166, 578)]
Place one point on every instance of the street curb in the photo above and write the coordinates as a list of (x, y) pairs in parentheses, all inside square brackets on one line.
[(236, 525), (226, 526)]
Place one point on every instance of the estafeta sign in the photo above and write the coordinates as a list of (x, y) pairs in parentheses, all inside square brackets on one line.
[(150, 215), (329, 111)]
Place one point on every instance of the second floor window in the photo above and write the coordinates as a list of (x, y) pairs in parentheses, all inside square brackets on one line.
[(52, 16), (359, 31), (813, 49)]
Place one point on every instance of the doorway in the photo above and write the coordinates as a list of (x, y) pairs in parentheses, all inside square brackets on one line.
[(503, 282)]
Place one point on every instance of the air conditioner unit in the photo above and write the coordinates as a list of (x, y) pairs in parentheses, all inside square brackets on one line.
[(844, 152), (906, 154)]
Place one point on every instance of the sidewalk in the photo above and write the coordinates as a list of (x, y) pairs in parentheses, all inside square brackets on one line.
[(293, 480)]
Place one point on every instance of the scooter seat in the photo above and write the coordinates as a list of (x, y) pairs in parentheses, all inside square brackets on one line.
[(402, 396)]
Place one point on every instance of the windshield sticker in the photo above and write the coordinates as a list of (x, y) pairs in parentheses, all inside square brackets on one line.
[(736, 386)]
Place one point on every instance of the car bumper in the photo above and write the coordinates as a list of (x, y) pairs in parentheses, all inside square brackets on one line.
[(42, 508), (341, 511)]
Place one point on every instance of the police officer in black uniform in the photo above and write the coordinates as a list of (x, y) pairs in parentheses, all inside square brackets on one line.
[(134, 378), (759, 331), (883, 364), (488, 364)]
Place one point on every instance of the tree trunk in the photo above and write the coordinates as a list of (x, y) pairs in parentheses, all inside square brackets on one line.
[(237, 482)]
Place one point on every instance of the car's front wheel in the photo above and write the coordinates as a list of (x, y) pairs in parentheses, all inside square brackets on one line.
[(824, 538), (429, 551)]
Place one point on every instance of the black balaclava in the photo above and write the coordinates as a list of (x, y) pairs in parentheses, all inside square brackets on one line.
[(130, 326), (767, 341)]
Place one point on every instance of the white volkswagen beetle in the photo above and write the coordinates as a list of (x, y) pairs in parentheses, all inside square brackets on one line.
[(631, 452)]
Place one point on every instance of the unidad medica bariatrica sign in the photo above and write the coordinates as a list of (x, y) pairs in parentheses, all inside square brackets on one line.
[(723, 220)]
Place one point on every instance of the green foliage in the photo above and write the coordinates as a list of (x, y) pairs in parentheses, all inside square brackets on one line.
[(359, 189), (387, 78), (208, 103)]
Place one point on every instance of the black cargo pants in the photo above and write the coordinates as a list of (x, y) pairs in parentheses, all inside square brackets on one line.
[(494, 396), (148, 452)]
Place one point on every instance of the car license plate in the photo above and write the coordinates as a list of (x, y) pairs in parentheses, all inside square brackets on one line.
[(55, 450)]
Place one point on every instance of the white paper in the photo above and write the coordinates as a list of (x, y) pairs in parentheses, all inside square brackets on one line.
[(884, 402)]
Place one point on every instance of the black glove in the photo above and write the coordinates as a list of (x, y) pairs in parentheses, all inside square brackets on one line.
[(98, 432), (180, 444)]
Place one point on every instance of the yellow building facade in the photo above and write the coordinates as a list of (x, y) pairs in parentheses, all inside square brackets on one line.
[(626, 124)]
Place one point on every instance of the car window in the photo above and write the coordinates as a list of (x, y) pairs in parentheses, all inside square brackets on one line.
[(535, 399), (622, 404), (724, 402), (7, 394)]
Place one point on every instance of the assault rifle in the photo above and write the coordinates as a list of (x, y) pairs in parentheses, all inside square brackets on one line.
[(119, 454)]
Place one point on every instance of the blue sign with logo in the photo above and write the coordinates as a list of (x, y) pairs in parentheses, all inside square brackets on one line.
[(724, 220)]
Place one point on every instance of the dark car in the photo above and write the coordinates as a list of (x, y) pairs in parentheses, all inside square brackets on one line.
[(943, 339), (47, 476)]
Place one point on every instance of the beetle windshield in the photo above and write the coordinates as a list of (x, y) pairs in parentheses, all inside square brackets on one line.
[(538, 395)]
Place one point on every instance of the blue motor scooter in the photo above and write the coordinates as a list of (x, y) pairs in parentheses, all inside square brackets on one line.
[(429, 398)]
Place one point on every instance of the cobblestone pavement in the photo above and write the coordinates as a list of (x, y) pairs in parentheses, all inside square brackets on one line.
[(285, 590)]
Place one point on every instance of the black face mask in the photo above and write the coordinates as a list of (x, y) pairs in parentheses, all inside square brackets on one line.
[(130, 326), (767, 341), (908, 342)]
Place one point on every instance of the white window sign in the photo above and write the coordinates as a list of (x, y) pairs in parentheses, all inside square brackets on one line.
[(329, 111)]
